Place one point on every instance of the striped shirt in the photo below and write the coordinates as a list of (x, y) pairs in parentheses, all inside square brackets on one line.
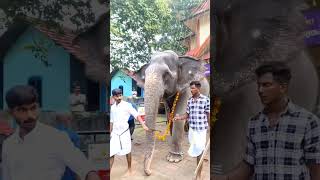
[(282, 152), (197, 110)]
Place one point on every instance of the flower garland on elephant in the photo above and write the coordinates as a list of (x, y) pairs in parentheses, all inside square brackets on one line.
[(213, 119)]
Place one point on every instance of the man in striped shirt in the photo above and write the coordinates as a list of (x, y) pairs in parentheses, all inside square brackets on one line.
[(198, 117), (283, 140)]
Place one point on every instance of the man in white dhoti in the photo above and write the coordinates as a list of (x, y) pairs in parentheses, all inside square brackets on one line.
[(120, 142), (198, 117)]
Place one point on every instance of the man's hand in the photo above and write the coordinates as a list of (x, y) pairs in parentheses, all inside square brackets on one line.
[(92, 176), (145, 127), (177, 117), (180, 117)]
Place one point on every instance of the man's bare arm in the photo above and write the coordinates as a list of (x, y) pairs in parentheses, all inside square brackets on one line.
[(314, 171), (243, 172), (182, 117), (139, 118)]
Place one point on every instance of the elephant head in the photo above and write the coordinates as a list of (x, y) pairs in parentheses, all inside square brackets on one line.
[(163, 77), (249, 34)]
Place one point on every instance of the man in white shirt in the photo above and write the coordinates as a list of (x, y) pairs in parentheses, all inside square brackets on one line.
[(36, 151), (120, 142), (78, 101)]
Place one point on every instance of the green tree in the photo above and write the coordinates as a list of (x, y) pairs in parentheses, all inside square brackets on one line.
[(139, 27), (46, 12)]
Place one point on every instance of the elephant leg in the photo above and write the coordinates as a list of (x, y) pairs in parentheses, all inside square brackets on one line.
[(176, 153), (175, 141)]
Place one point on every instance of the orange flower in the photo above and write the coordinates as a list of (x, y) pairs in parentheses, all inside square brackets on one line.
[(166, 133)]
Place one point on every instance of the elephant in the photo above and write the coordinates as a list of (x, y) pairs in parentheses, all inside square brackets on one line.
[(164, 76), (248, 34)]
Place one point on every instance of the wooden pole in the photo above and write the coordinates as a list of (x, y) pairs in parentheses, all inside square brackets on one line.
[(196, 172)]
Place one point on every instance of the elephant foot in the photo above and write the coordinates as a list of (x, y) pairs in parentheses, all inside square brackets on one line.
[(173, 157)]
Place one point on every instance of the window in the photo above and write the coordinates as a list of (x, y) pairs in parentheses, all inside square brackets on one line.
[(121, 87), (36, 82)]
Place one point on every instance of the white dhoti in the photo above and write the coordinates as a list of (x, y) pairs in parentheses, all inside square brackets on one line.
[(120, 144), (197, 140)]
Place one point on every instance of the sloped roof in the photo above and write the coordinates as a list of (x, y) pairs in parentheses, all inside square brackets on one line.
[(125, 71), (202, 8), (66, 40), (201, 50), (205, 6)]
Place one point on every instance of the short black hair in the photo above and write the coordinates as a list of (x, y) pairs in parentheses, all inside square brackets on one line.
[(21, 95), (196, 83), (116, 91), (280, 71)]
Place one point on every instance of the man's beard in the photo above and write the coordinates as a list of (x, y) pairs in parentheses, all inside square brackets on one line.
[(29, 124)]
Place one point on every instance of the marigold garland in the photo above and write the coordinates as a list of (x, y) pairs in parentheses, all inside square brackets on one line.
[(166, 133), (216, 108)]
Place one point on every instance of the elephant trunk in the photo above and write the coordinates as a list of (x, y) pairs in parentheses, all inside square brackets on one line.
[(153, 92)]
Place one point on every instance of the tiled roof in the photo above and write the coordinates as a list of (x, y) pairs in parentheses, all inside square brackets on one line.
[(206, 56), (199, 51), (201, 8), (66, 40)]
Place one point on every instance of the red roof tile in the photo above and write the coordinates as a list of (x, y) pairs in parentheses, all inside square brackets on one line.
[(199, 51), (201, 8), (66, 41), (206, 56)]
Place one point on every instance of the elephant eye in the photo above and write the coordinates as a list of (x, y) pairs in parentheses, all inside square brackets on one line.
[(256, 33)]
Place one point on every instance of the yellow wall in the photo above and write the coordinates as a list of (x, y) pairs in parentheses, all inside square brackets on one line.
[(204, 27), (193, 43)]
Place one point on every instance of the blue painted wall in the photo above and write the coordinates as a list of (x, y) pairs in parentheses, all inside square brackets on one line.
[(121, 79), (103, 97), (20, 64)]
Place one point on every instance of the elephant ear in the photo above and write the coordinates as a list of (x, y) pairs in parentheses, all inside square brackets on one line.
[(189, 69), (140, 75)]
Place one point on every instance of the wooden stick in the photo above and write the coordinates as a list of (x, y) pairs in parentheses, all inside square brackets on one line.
[(196, 172)]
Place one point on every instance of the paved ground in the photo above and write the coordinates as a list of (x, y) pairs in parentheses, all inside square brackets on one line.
[(161, 168)]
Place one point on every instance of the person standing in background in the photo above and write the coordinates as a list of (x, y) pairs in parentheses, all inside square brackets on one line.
[(78, 101)]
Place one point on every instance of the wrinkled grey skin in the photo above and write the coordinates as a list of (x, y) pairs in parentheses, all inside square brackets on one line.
[(249, 33), (165, 75)]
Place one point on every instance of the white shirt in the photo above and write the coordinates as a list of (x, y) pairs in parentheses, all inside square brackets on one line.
[(119, 116), (43, 154), (75, 101)]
